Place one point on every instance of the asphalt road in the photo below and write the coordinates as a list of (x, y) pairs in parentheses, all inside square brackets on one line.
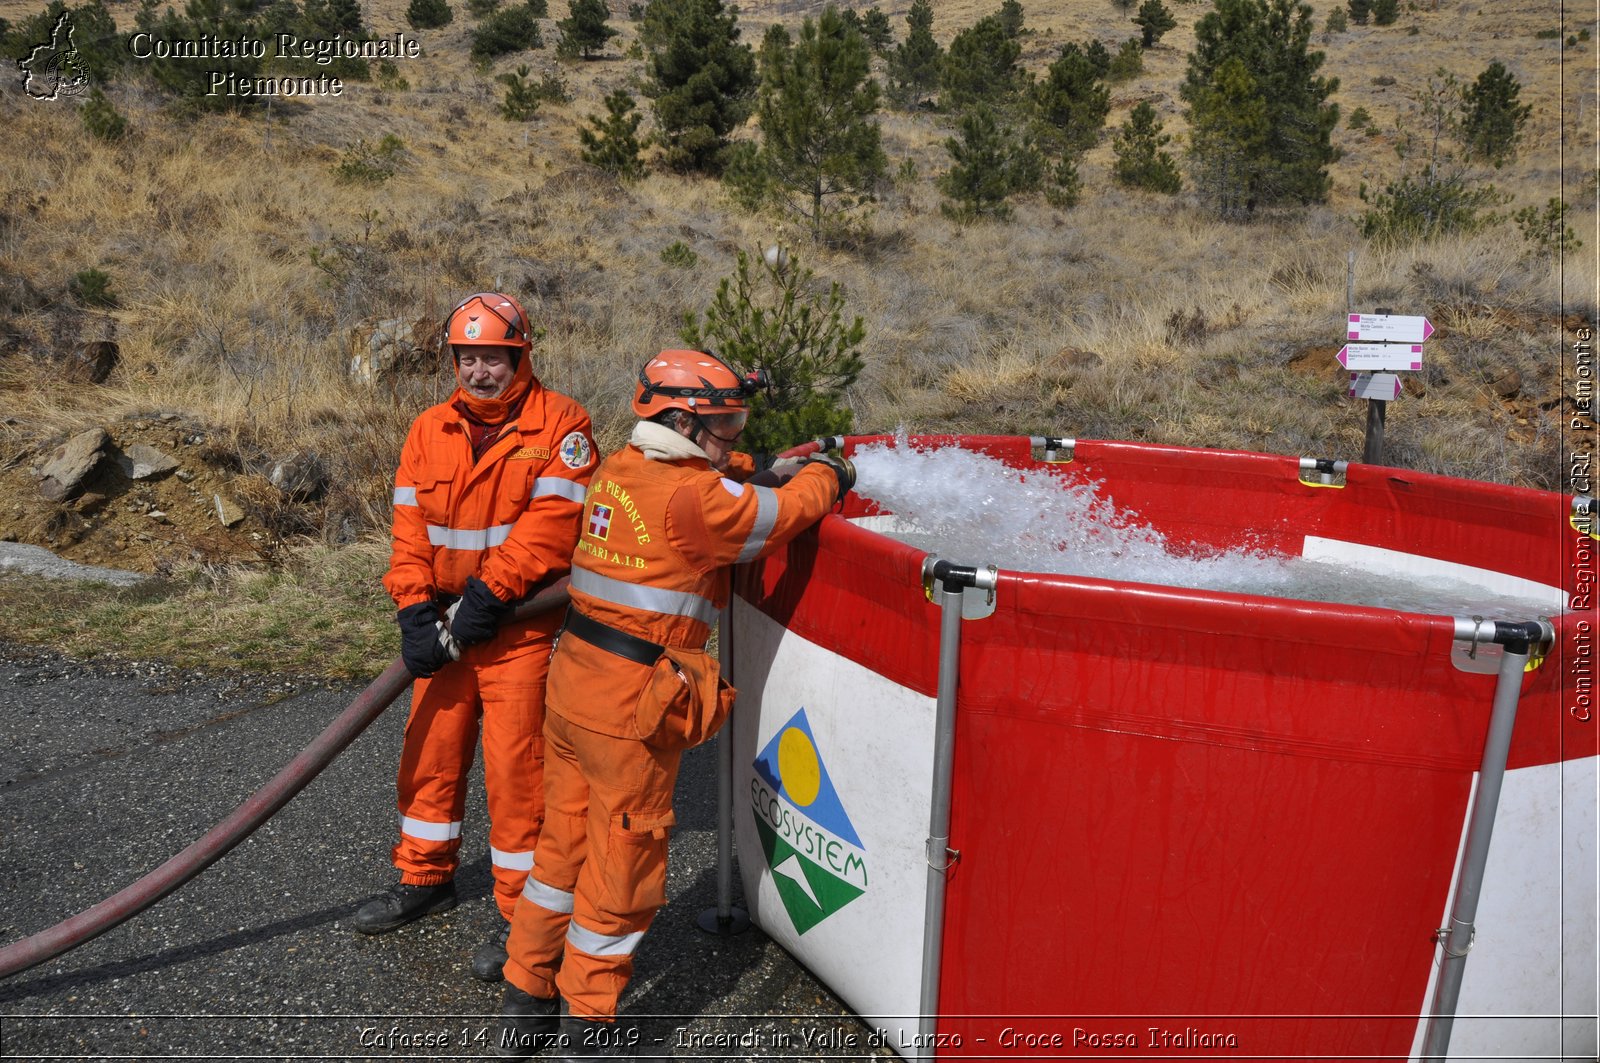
[(108, 769)]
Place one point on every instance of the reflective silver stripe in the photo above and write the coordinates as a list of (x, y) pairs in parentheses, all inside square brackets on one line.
[(634, 596), (405, 496), (594, 944), (469, 538), (766, 517), (430, 832), (547, 897), (511, 861), (555, 485)]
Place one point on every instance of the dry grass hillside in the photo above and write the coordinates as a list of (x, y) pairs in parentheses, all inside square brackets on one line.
[(245, 270)]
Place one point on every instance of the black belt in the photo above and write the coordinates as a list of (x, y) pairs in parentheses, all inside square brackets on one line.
[(611, 640)]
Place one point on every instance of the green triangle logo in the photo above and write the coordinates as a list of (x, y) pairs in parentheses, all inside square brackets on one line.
[(810, 893)]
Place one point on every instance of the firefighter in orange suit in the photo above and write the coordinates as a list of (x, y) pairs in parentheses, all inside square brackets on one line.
[(631, 686), (486, 507)]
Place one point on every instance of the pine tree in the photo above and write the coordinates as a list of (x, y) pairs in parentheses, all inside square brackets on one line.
[(1228, 140), (1271, 38), (983, 67), (914, 66), (1492, 119), (820, 139), (989, 164), (701, 78), (1385, 12), (1360, 11), (584, 32), (802, 342), (429, 14), (521, 102), (875, 28), (1140, 161), (613, 144), (1011, 18), (1153, 20), (1095, 51), (1071, 102)]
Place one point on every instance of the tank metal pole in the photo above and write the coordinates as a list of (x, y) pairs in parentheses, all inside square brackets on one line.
[(1456, 936), (724, 918), (938, 845)]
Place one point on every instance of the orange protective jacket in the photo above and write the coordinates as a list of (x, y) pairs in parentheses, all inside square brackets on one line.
[(655, 545), (507, 519)]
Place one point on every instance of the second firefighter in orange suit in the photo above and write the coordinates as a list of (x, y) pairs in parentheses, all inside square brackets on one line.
[(486, 506), (665, 519)]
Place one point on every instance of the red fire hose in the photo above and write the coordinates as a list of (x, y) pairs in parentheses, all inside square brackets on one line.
[(256, 810)]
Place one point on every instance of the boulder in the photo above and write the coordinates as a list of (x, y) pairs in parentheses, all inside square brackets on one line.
[(70, 464), (143, 462), (92, 363), (383, 350), (228, 511), (300, 476)]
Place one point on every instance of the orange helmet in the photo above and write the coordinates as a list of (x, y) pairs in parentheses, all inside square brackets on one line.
[(696, 381), (489, 319)]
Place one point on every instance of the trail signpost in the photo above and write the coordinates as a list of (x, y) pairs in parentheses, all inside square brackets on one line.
[(1380, 344)]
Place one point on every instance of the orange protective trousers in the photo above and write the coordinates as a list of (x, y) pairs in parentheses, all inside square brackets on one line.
[(600, 870), (502, 683)]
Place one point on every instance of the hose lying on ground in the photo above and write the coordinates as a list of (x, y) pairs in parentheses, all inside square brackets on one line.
[(256, 810)]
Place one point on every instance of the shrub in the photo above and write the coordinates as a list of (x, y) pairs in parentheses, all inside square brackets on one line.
[(514, 29), (92, 287), (364, 163), (480, 8), (1337, 22), (101, 119), (679, 255), (1128, 63), (1424, 207), (1358, 118), (429, 14), (1384, 12), (1547, 230)]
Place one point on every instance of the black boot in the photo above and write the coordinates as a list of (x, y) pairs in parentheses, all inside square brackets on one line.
[(401, 904), (528, 1024), (581, 1039), (489, 959)]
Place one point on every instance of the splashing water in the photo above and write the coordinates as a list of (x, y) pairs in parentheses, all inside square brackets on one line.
[(971, 508)]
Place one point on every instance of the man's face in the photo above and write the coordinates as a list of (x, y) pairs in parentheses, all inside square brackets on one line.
[(485, 371)]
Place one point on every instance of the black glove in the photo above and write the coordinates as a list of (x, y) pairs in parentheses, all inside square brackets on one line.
[(423, 651), (843, 468), (479, 614)]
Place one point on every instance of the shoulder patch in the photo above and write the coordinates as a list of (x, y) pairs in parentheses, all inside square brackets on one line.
[(576, 453), (733, 487), (530, 454)]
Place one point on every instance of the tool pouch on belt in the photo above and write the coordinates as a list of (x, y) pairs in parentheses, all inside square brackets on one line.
[(685, 702)]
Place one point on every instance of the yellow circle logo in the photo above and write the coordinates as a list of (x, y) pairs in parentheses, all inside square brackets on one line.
[(799, 766)]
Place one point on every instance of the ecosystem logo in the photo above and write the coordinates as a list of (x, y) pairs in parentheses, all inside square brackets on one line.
[(55, 69), (816, 857)]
